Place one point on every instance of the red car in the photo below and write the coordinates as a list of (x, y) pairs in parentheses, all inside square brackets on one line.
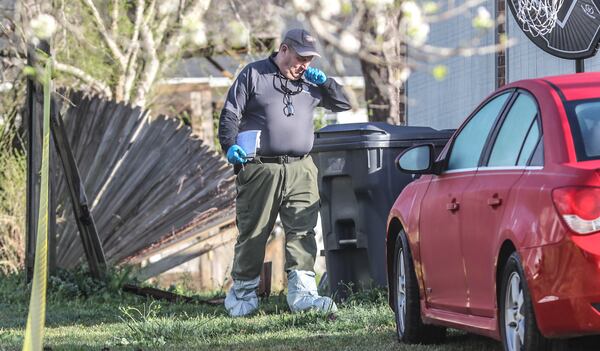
[(500, 235)]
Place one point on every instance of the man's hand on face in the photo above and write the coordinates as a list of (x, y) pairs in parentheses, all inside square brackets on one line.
[(315, 76), (236, 155)]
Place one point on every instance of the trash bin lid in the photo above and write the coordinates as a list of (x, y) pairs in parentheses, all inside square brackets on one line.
[(376, 134)]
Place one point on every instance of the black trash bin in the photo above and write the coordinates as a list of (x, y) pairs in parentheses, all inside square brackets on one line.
[(358, 184)]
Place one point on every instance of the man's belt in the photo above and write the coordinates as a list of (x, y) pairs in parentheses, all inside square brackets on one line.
[(277, 159)]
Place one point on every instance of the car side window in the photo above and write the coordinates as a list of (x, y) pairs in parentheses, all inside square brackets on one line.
[(531, 141), (538, 155), (514, 130), (470, 141)]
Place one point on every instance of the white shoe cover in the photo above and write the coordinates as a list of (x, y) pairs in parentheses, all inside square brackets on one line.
[(302, 293), (241, 299)]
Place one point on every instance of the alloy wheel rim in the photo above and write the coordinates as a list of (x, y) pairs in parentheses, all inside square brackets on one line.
[(401, 293), (514, 319)]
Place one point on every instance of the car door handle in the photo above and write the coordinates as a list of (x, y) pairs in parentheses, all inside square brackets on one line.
[(494, 201), (453, 206)]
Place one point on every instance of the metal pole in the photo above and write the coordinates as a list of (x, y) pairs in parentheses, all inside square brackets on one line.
[(33, 145), (579, 66), (34, 154), (34, 151)]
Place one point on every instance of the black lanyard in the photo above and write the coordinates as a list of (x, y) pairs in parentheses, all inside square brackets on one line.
[(288, 105)]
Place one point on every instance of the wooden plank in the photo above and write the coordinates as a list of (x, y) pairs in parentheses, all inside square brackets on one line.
[(205, 269), (275, 253), (85, 220), (219, 278), (264, 287), (211, 228), (169, 296), (187, 253)]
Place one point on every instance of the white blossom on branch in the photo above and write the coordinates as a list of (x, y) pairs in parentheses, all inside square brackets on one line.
[(381, 33), (43, 26)]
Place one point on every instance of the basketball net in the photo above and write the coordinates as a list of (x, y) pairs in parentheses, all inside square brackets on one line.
[(538, 16)]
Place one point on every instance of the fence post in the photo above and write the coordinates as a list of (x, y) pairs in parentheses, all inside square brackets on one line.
[(33, 112), (83, 217)]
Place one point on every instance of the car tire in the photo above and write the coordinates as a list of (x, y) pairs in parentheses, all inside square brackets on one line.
[(518, 327), (407, 306)]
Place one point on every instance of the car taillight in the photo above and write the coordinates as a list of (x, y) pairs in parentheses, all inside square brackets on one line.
[(579, 207)]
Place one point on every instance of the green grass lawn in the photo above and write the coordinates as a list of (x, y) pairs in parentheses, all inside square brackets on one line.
[(107, 320), (83, 315), (132, 324)]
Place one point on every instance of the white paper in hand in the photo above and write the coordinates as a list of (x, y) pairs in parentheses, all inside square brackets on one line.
[(249, 141)]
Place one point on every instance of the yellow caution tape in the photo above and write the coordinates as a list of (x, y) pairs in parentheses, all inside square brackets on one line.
[(36, 319)]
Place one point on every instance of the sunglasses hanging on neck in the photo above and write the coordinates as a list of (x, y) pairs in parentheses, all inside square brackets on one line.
[(282, 87)]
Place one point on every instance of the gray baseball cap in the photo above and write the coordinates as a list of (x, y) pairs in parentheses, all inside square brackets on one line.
[(301, 41)]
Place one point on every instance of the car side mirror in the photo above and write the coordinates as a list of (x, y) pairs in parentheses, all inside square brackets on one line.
[(417, 160)]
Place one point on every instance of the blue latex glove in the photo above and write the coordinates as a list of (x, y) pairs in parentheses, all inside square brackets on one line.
[(315, 75), (236, 155)]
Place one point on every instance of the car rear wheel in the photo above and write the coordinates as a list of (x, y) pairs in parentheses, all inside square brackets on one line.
[(517, 319), (409, 326)]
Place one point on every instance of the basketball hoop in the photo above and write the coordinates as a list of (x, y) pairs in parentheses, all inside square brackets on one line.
[(538, 17), (569, 29)]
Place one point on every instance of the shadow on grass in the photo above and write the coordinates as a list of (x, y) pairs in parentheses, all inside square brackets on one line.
[(90, 312), (209, 328), (93, 313), (587, 343), (373, 340), (302, 337), (458, 338), (380, 340)]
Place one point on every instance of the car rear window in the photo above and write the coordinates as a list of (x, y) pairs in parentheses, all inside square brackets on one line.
[(584, 117)]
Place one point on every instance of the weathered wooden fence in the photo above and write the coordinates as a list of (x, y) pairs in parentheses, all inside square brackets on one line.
[(148, 180)]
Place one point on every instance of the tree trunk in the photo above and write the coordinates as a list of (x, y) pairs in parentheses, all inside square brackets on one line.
[(383, 98), (384, 91)]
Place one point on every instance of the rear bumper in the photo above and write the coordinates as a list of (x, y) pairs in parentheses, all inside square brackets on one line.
[(564, 282)]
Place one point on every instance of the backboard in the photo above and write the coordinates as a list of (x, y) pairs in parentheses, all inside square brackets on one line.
[(565, 28)]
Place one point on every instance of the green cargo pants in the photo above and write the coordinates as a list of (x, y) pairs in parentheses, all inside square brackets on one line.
[(263, 191)]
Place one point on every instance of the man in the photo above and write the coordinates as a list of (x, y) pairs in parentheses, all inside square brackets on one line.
[(270, 95)]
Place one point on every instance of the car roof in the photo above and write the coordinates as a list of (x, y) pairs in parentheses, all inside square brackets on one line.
[(577, 86)]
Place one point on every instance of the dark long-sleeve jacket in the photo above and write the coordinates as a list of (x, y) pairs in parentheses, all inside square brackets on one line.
[(256, 101)]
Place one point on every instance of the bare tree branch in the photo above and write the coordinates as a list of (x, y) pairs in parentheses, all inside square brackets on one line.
[(151, 11), (239, 18), (110, 42), (198, 8), (123, 89), (219, 67), (131, 72), (436, 52), (84, 77), (161, 31), (326, 35), (151, 68), (74, 31), (139, 16), (114, 18), (383, 39), (454, 11)]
